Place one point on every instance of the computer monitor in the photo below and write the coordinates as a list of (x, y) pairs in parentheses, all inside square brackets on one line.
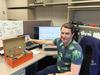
[(49, 33), (36, 32)]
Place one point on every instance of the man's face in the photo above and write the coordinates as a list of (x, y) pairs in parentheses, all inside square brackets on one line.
[(66, 35)]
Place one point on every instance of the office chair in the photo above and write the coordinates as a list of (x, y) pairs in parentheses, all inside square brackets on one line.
[(86, 61), (91, 53)]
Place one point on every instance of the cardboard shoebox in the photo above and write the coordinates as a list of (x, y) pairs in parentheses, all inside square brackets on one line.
[(14, 51)]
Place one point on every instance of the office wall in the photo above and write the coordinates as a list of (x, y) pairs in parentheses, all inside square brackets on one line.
[(17, 3), (87, 17), (18, 14), (58, 14), (3, 10)]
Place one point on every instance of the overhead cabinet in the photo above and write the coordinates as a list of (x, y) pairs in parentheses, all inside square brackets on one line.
[(86, 11), (58, 11), (55, 10)]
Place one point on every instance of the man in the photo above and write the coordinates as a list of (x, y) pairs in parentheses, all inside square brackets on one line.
[(69, 57)]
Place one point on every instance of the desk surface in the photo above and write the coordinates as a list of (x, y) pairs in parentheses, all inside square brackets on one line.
[(5, 69)]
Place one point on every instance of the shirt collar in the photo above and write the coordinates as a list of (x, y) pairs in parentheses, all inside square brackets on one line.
[(62, 44)]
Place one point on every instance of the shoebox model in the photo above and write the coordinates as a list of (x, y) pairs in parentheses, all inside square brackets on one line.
[(14, 51)]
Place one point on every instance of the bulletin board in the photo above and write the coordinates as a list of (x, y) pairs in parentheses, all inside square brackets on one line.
[(10, 29)]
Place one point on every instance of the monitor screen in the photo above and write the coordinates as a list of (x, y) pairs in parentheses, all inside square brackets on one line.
[(49, 33)]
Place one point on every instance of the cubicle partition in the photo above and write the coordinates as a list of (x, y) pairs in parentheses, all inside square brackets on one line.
[(28, 26)]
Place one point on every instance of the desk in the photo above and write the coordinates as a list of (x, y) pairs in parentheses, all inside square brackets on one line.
[(5, 69), (49, 53)]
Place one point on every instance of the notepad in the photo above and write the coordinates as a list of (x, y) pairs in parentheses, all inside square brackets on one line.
[(35, 51)]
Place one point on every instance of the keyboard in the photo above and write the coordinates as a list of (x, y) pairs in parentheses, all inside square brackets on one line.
[(50, 48), (30, 45)]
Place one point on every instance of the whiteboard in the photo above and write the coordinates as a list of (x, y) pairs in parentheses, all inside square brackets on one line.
[(10, 29)]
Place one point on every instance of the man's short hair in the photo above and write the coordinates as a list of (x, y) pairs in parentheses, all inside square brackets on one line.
[(69, 26)]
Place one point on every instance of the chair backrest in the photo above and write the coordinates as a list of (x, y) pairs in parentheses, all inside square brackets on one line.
[(86, 61), (91, 52)]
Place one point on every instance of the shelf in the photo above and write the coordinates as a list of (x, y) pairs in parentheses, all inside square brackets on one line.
[(58, 3), (89, 27), (48, 4), (97, 6), (96, 29), (81, 2), (17, 7), (35, 5)]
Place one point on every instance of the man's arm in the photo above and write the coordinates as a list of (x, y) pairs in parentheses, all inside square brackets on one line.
[(49, 42), (75, 69)]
